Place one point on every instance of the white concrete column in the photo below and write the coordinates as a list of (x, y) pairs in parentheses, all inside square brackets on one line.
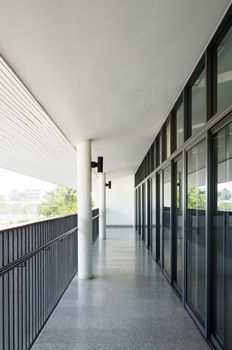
[(84, 181), (102, 205)]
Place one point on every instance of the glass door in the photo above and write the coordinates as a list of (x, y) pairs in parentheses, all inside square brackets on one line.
[(136, 209), (221, 263), (196, 230), (145, 214), (159, 217), (153, 218), (143, 211), (167, 220), (178, 223), (139, 211), (149, 214)]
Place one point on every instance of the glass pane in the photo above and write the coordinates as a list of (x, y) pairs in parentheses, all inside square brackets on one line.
[(148, 214), (199, 103), (160, 149), (167, 220), (178, 215), (143, 214), (159, 238), (229, 282), (180, 126), (154, 216), (167, 139), (140, 212), (217, 240), (154, 159), (136, 209), (224, 72), (221, 239), (196, 208)]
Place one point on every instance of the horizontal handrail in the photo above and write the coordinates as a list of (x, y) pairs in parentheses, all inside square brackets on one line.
[(29, 255), (38, 262), (41, 221), (35, 222)]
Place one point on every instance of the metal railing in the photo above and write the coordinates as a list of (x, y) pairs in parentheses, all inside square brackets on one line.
[(37, 263)]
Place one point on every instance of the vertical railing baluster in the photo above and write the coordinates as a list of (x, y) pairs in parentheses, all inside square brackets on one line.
[(19, 238), (10, 291), (28, 288), (1, 293), (26, 270), (29, 291), (15, 292)]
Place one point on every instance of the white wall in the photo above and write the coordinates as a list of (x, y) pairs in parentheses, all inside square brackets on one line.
[(120, 201)]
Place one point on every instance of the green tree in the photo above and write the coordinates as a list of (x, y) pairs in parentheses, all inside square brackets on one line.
[(196, 198), (61, 201)]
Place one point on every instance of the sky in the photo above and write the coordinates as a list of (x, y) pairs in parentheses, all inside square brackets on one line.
[(10, 180)]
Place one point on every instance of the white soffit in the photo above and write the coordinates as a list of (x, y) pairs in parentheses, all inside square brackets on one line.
[(107, 70), (30, 143)]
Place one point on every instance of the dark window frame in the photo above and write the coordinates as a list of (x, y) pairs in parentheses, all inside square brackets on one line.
[(201, 66), (214, 122), (165, 127), (159, 159), (221, 32), (177, 105)]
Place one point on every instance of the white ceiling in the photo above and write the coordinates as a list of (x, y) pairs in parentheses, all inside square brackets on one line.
[(30, 143), (109, 70)]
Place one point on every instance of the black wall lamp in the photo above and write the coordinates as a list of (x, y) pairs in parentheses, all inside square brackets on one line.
[(98, 164), (108, 184)]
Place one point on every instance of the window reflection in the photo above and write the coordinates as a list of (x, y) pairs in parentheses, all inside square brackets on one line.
[(167, 220), (154, 216), (224, 72), (145, 214), (224, 195), (180, 126), (160, 149), (178, 225), (222, 238), (198, 99), (196, 190), (229, 281), (167, 138)]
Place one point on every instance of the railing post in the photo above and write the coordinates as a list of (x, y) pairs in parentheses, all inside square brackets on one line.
[(84, 181), (102, 205)]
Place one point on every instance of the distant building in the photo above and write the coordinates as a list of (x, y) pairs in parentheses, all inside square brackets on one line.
[(35, 195)]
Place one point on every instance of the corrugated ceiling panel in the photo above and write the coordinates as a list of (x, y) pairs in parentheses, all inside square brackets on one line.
[(30, 142)]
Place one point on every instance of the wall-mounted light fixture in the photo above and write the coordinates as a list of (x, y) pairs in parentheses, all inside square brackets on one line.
[(98, 164), (108, 184)]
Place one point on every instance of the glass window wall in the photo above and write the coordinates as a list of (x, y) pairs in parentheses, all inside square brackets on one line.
[(167, 219), (198, 103), (160, 149), (196, 218), (180, 126), (224, 72), (159, 218), (167, 139), (222, 238), (178, 221), (154, 216)]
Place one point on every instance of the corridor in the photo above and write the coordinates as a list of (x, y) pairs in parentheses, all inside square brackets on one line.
[(128, 305)]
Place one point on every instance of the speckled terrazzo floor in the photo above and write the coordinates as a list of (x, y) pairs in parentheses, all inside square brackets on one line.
[(128, 305)]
